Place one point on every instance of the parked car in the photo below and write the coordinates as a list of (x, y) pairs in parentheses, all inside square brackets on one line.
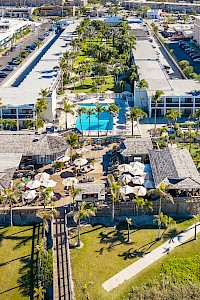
[(9, 68), (197, 59), (3, 75), (16, 62), (196, 56)]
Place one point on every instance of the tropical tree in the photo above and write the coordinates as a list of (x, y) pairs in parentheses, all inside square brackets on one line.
[(115, 193), (90, 112), (173, 115), (197, 219), (142, 84), (136, 115), (99, 109), (72, 141), (129, 222), (74, 192), (113, 109), (81, 110), (139, 202), (147, 206), (157, 98), (39, 293), (68, 109), (11, 197), (83, 212), (40, 106), (42, 251), (195, 115), (46, 195), (46, 215), (163, 220)]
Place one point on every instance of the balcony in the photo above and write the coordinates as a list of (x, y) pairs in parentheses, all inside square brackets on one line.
[(172, 104), (158, 105), (186, 105), (7, 116), (23, 116)]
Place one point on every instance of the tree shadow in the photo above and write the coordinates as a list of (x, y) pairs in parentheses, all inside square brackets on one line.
[(2, 235), (112, 239), (170, 233)]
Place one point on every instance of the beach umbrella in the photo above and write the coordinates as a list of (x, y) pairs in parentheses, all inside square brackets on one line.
[(49, 183), (125, 177), (126, 190), (124, 168), (135, 171), (70, 181), (139, 190), (33, 184), (42, 176), (82, 150), (138, 180), (30, 195), (149, 184), (63, 159), (79, 162), (137, 164)]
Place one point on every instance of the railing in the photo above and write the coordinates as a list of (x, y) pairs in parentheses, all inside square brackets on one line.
[(23, 116)]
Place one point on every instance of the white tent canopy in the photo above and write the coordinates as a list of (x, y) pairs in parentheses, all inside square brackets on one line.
[(135, 171), (49, 184), (82, 150), (138, 180), (33, 184), (70, 181), (126, 190), (79, 162), (125, 177), (42, 176), (139, 190), (30, 195), (124, 168), (137, 164)]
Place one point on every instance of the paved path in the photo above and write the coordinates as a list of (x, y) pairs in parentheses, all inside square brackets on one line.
[(150, 258)]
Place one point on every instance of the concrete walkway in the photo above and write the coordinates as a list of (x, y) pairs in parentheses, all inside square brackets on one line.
[(150, 258)]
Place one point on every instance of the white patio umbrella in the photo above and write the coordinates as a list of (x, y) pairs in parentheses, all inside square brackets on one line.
[(70, 181), (124, 168), (138, 180), (63, 159), (126, 190), (149, 184), (135, 171), (49, 183), (125, 177), (82, 150), (139, 190), (79, 162), (33, 184), (137, 164), (30, 195), (42, 176)]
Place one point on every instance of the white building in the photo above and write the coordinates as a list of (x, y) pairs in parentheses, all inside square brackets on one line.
[(181, 94), (154, 13), (197, 29)]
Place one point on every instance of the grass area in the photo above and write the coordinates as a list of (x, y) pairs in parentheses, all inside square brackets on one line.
[(105, 253), (81, 58), (88, 84), (17, 246)]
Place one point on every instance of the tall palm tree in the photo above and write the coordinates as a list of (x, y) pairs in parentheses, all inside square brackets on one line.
[(68, 109), (139, 203), (157, 98), (163, 220), (11, 198), (143, 84), (82, 213), (72, 141), (81, 110), (173, 115), (195, 115), (147, 206), (39, 293), (46, 215), (99, 109), (44, 93), (113, 110), (136, 114), (161, 191), (197, 219), (45, 195), (115, 193), (90, 112), (40, 106), (129, 222), (74, 192), (42, 251)]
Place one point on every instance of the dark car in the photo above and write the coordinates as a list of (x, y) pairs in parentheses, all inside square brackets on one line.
[(3, 75)]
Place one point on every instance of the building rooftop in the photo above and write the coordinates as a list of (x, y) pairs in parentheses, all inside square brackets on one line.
[(172, 165), (28, 144), (9, 162), (90, 188), (14, 25), (136, 146)]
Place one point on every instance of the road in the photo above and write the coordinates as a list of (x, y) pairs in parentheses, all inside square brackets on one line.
[(27, 41)]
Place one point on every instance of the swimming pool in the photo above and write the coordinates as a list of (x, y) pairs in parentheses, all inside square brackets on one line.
[(104, 119)]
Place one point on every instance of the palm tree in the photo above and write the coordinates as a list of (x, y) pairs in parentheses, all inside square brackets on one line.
[(42, 251), (173, 115), (44, 93), (12, 123), (113, 110), (197, 219), (195, 115), (72, 141), (147, 206), (115, 193), (129, 222), (139, 203), (82, 213), (81, 110), (157, 98), (99, 109), (90, 112), (136, 114), (45, 195), (46, 215), (40, 106), (163, 220), (74, 192), (161, 191), (143, 84), (68, 109), (11, 198), (39, 293)]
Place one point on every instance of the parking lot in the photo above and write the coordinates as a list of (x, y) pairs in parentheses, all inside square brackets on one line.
[(180, 54)]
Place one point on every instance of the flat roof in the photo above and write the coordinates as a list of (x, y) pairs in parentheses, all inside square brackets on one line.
[(14, 25), (144, 51)]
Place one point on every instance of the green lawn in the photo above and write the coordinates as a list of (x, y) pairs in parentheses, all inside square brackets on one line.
[(81, 58), (17, 246), (88, 84), (105, 253)]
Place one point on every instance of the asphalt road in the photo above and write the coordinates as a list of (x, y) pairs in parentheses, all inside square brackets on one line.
[(180, 54), (27, 41)]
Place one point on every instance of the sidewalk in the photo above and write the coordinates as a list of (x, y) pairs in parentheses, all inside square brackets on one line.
[(147, 260)]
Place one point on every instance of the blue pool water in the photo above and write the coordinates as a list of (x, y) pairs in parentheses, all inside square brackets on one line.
[(103, 120)]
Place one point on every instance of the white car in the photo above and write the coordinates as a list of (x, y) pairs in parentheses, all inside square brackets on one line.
[(9, 68), (196, 59)]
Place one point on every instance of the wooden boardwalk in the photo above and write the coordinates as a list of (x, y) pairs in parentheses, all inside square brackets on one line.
[(62, 281)]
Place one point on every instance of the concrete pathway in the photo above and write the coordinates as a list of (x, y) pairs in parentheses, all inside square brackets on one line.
[(150, 258)]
